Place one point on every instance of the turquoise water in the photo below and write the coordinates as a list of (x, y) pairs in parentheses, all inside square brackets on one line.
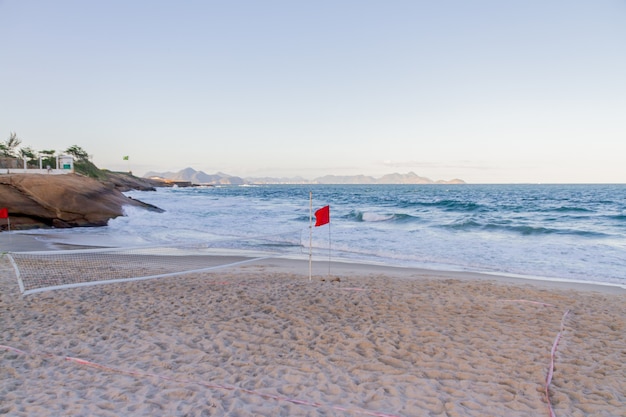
[(571, 232)]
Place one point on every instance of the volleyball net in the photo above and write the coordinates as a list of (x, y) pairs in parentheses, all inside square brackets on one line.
[(59, 269)]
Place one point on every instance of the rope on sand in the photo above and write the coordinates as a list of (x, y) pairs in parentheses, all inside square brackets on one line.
[(551, 369), (204, 384), (295, 400), (552, 351)]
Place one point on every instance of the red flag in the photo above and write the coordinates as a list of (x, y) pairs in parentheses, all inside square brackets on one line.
[(4, 213), (322, 216)]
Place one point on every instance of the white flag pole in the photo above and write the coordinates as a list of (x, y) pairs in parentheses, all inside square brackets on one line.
[(310, 234), (329, 248)]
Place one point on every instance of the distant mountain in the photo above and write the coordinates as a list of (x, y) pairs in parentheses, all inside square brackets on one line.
[(199, 177), (275, 180), (409, 178), (345, 179), (413, 178)]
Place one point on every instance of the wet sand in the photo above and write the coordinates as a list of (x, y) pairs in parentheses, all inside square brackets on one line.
[(260, 339)]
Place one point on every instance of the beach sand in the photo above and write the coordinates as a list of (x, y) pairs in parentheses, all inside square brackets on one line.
[(262, 340)]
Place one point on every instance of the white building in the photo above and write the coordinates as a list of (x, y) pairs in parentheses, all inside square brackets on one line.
[(64, 165)]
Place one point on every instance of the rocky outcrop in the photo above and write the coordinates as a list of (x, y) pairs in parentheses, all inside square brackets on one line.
[(126, 182), (70, 200)]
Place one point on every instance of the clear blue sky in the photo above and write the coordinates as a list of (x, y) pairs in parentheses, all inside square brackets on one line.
[(487, 91)]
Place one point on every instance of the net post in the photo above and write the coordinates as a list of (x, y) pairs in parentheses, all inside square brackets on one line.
[(17, 273), (329, 250), (310, 235)]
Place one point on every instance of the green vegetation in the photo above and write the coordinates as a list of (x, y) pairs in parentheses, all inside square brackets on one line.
[(83, 165), (10, 148), (77, 152), (12, 157), (87, 168), (48, 159)]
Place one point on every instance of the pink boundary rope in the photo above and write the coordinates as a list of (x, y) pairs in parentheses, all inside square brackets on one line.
[(305, 402), (552, 351), (205, 384), (551, 369)]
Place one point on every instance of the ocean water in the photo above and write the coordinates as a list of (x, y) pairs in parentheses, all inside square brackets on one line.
[(563, 232)]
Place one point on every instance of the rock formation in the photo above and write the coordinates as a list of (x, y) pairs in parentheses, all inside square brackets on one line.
[(69, 200)]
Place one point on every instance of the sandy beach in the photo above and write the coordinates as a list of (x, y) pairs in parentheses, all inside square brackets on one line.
[(260, 339)]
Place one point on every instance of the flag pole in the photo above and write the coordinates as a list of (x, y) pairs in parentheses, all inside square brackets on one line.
[(310, 234), (329, 249), (4, 214)]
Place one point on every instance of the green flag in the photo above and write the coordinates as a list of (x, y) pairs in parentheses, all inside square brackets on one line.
[(126, 158)]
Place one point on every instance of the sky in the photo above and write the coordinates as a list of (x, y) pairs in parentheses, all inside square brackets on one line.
[(485, 91)]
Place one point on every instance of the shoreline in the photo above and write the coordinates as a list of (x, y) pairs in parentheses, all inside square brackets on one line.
[(26, 242), (21, 242), (356, 268)]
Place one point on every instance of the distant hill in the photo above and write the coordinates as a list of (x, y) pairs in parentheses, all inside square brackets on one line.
[(276, 180), (199, 177), (409, 178)]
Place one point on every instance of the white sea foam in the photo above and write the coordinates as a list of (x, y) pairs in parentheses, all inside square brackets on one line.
[(566, 233), (375, 217)]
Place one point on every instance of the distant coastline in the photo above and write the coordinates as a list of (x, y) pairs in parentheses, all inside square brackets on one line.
[(192, 176)]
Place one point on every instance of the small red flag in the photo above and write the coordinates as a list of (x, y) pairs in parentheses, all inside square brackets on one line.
[(322, 216), (4, 213)]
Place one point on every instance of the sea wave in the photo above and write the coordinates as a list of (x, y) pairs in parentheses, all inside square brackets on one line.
[(369, 216), (451, 205), (568, 209), (523, 230), (618, 217)]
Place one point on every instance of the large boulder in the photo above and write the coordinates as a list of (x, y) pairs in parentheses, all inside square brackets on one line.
[(68, 200)]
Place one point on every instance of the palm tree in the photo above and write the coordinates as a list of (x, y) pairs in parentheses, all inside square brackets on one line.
[(78, 152), (48, 158), (9, 147), (29, 154)]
